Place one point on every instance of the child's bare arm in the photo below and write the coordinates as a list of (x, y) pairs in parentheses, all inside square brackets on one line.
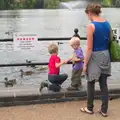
[(60, 64)]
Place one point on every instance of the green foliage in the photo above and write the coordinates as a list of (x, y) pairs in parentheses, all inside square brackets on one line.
[(51, 4), (2, 4), (64, 0), (107, 2), (30, 4), (17, 4)]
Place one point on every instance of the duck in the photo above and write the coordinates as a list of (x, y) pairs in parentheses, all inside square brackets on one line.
[(9, 82), (59, 43), (27, 73), (29, 62)]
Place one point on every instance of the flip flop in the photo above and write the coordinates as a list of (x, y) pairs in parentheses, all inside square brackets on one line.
[(103, 114), (85, 110)]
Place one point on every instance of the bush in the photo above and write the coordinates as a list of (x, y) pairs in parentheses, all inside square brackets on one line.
[(12, 4), (28, 4), (2, 4), (51, 4)]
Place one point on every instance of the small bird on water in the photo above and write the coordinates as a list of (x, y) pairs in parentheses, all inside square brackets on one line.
[(9, 82)]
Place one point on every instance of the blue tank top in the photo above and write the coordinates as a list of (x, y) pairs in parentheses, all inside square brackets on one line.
[(101, 36)]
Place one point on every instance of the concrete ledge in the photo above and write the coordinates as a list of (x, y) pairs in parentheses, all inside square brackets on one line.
[(20, 98)]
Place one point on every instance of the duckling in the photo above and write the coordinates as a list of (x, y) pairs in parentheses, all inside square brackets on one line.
[(9, 82), (26, 73), (59, 43), (28, 61)]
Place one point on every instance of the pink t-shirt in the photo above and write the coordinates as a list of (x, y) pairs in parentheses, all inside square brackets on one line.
[(52, 68)]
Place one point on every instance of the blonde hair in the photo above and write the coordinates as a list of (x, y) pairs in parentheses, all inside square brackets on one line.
[(74, 41), (52, 48)]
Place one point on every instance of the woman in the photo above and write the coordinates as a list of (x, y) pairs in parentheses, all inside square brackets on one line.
[(97, 63)]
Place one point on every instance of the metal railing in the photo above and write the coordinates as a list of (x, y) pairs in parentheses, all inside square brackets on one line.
[(26, 64), (40, 39), (45, 39)]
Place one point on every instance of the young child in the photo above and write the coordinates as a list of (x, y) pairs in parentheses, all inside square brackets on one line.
[(77, 60), (54, 77)]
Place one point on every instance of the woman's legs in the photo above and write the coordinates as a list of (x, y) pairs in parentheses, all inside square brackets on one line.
[(90, 95), (104, 92), (90, 98), (104, 96)]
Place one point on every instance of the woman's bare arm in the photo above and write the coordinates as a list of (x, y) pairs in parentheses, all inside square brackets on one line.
[(90, 31)]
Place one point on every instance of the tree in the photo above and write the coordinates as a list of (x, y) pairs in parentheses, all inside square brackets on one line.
[(107, 2), (29, 3), (2, 5), (51, 4)]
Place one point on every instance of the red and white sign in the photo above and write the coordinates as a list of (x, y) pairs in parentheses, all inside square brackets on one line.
[(25, 41)]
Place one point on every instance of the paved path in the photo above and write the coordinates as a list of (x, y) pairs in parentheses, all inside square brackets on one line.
[(59, 111)]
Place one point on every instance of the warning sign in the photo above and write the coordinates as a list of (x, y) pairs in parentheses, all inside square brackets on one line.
[(25, 42)]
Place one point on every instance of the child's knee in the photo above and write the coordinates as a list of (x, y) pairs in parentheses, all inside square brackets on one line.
[(66, 76)]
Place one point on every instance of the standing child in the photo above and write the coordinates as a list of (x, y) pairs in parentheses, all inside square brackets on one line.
[(54, 65), (77, 60)]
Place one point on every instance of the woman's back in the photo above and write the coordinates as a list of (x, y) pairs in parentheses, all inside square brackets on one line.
[(101, 36)]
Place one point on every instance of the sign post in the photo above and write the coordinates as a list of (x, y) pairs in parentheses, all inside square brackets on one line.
[(25, 42)]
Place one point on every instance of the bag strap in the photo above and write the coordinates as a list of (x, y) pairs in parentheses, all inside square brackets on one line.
[(111, 34)]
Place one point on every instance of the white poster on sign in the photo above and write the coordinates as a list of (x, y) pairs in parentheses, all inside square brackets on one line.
[(116, 33), (25, 42)]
